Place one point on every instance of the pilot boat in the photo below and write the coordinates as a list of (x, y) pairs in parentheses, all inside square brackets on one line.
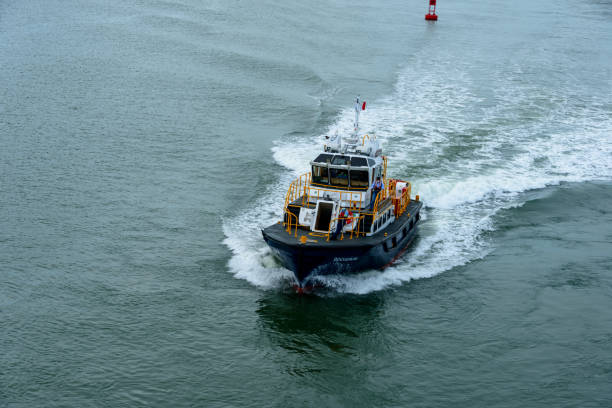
[(336, 220)]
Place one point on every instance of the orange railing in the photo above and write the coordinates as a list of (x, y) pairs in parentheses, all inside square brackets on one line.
[(317, 193), (289, 224), (336, 187), (399, 204), (384, 169), (302, 189), (356, 231), (404, 200), (297, 189), (382, 196)]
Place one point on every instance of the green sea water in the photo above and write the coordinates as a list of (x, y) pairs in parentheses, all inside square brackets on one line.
[(144, 144)]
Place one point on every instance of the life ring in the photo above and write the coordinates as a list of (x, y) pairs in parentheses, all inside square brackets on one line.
[(349, 217)]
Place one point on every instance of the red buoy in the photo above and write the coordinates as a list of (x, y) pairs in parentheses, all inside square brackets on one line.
[(431, 16)]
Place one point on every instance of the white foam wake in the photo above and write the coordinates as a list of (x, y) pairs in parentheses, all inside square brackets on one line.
[(467, 158)]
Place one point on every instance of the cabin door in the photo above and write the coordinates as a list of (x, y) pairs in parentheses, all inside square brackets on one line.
[(323, 217)]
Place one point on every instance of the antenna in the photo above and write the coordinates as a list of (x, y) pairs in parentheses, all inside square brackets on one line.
[(357, 109)]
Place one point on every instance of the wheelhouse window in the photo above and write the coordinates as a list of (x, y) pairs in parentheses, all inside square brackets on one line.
[(359, 178), (340, 160), (359, 162), (324, 158), (319, 175), (339, 177)]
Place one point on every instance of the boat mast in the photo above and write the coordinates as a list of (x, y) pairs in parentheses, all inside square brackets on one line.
[(356, 124)]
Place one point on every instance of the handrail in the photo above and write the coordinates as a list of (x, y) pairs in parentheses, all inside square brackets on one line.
[(339, 187), (354, 219), (405, 198), (301, 188), (353, 203), (382, 196), (297, 188), (384, 169), (358, 232), (402, 202), (369, 138), (288, 223)]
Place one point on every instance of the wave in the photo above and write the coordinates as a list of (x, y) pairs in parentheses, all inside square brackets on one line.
[(468, 154)]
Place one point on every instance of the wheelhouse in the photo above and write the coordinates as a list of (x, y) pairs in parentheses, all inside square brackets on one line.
[(344, 171)]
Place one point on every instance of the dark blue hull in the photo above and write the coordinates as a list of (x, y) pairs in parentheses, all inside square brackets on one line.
[(306, 263)]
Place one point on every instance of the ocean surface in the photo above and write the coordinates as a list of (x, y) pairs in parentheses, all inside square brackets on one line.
[(145, 143)]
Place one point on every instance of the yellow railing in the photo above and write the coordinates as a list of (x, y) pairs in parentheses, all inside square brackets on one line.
[(317, 193), (384, 169), (302, 186), (302, 190), (356, 231), (317, 185), (289, 224), (292, 227), (382, 196), (297, 189), (389, 191), (404, 200)]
